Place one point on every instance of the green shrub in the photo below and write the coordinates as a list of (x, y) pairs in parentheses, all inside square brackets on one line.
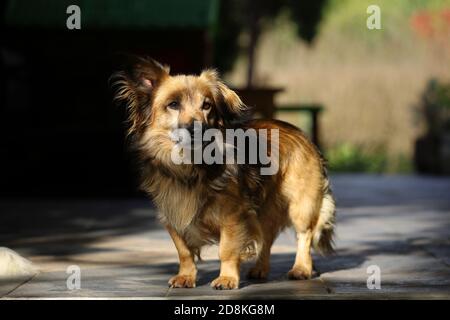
[(350, 158), (347, 157)]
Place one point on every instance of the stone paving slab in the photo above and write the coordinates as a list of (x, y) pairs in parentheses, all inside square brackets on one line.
[(7, 286), (399, 223)]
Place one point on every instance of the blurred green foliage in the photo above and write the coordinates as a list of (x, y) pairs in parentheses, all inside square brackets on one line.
[(435, 107), (346, 14), (443, 95), (346, 17), (350, 158), (347, 157)]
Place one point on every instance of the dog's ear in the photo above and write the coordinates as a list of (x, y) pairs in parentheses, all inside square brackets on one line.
[(232, 106), (146, 73), (135, 85)]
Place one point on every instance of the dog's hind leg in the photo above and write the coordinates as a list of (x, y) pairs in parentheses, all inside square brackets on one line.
[(302, 268), (302, 213)]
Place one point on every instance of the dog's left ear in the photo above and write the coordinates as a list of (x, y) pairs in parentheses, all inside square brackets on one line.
[(233, 105), (135, 85)]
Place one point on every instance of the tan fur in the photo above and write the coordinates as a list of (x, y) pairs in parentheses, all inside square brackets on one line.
[(230, 204)]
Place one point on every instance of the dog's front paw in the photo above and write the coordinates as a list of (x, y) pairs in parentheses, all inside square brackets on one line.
[(298, 273), (182, 281), (225, 283)]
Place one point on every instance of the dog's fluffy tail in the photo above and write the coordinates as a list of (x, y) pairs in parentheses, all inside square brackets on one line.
[(324, 230)]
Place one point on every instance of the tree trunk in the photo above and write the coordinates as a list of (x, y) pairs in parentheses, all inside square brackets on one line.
[(254, 31)]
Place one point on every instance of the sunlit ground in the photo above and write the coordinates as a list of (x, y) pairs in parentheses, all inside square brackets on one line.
[(398, 223)]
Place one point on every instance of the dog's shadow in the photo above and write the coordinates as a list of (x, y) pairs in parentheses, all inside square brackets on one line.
[(280, 264)]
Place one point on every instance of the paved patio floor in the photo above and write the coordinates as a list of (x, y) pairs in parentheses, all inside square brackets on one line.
[(399, 223)]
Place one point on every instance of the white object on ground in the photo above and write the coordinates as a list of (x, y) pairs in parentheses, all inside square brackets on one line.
[(13, 265)]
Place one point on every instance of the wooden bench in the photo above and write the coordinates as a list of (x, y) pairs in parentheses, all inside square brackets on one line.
[(313, 110), (262, 101)]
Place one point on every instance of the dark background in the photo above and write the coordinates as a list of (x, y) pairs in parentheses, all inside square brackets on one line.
[(61, 134)]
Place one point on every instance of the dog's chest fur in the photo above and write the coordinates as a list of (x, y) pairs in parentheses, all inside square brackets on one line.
[(178, 204), (185, 205), (195, 204)]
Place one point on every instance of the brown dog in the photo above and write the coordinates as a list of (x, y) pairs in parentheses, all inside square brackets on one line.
[(233, 204)]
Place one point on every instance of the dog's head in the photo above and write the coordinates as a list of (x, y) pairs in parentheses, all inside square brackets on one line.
[(159, 103)]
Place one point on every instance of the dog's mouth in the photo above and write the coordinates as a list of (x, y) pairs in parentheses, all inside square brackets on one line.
[(186, 140), (189, 138)]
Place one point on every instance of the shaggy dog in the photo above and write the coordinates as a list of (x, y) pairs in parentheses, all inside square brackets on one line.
[(229, 203)]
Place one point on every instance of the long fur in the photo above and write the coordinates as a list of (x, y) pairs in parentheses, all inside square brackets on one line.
[(324, 230), (198, 203)]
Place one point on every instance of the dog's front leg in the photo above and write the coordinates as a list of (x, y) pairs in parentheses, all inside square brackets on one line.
[(187, 272), (229, 254)]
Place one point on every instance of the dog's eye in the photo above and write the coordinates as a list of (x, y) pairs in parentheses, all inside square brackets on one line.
[(174, 105), (206, 105)]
